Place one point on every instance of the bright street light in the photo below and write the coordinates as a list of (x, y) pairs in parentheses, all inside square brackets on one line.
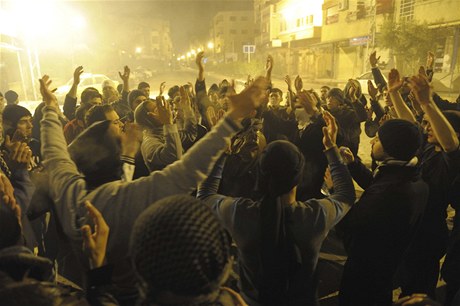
[(182, 57), (210, 45), (199, 50), (138, 50), (193, 52), (189, 54), (78, 22)]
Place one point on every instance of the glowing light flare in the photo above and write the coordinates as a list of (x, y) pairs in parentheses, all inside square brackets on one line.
[(189, 54), (78, 22), (193, 52), (138, 50), (210, 45), (182, 57)]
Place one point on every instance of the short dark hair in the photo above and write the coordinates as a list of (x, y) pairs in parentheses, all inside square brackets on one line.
[(97, 113), (89, 93), (326, 87), (277, 90), (143, 85)]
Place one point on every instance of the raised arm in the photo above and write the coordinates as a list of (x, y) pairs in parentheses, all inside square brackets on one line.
[(70, 101), (401, 108), (199, 63), (376, 73), (442, 129), (269, 68), (125, 78)]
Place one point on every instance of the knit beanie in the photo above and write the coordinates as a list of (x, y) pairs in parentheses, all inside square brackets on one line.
[(400, 139), (143, 85), (11, 116), (11, 96), (96, 154), (338, 94), (173, 91), (143, 119), (133, 95), (178, 245)]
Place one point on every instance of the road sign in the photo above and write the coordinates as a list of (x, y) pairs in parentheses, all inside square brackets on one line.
[(249, 48)]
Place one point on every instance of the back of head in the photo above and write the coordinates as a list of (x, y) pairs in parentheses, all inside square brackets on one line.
[(96, 152), (11, 97), (97, 113), (400, 138), (178, 246), (88, 94), (280, 168), (143, 85), (133, 95)]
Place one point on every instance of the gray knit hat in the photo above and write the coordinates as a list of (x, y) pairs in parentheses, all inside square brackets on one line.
[(178, 245)]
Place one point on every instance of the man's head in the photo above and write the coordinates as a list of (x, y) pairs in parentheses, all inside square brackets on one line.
[(335, 99), (11, 97), (145, 88), (179, 248), (396, 139), (96, 153), (104, 112), (135, 98), (110, 94), (324, 92), (173, 92), (143, 119), (91, 95), (16, 117), (280, 168), (275, 97)]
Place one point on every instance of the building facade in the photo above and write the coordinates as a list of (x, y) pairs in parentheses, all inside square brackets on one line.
[(230, 31)]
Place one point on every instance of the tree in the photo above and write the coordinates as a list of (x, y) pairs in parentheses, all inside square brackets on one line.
[(409, 42)]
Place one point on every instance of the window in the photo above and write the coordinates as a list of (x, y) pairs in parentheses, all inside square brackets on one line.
[(406, 12), (232, 18)]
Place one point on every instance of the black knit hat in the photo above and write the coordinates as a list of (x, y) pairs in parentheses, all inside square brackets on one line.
[(338, 94), (178, 245), (400, 139), (11, 96), (133, 95), (11, 116)]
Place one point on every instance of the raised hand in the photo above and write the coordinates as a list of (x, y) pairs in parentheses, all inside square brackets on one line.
[(126, 73), (199, 59), (19, 155), (352, 92), (269, 64), (288, 81), (162, 88), (298, 83), (308, 102), (184, 101), (394, 81), (242, 104), (347, 155), (430, 60), (165, 115), (422, 71), (373, 59), (369, 112), (329, 131), (372, 90), (95, 243), (131, 139), (76, 75), (421, 89), (48, 95)]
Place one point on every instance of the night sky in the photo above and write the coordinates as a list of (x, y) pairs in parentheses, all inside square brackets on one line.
[(189, 19)]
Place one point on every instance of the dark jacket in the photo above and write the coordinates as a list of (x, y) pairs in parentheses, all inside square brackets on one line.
[(349, 120), (378, 230)]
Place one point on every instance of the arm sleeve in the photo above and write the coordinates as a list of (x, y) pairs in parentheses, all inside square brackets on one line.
[(158, 154), (360, 173), (98, 283), (378, 78), (190, 131), (360, 111), (70, 106)]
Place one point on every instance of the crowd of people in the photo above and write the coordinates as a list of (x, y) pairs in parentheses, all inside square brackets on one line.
[(209, 196)]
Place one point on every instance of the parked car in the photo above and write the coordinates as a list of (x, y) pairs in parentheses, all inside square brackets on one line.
[(86, 80), (365, 77)]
